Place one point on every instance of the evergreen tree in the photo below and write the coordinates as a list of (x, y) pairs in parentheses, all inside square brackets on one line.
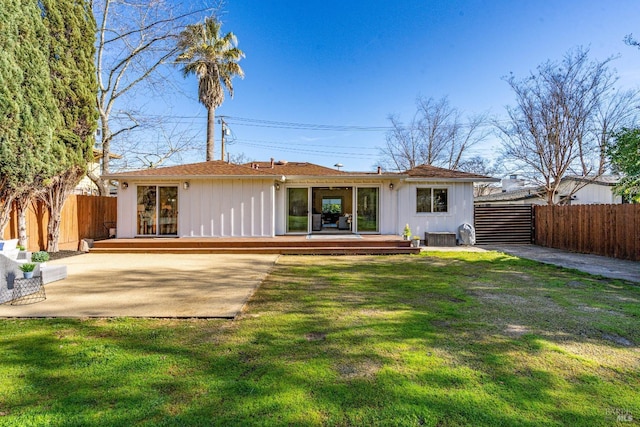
[(71, 28), (624, 152), (27, 107)]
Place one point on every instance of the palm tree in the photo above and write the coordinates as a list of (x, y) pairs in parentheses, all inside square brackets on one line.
[(214, 60)]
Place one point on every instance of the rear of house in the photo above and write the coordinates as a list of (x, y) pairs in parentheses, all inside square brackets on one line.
[(266, 199)]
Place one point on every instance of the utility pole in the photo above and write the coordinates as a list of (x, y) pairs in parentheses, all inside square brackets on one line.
[(224, 130)]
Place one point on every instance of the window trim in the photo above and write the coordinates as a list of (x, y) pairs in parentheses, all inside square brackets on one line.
[(432, 188)]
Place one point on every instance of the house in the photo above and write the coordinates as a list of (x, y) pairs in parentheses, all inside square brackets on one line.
[(266, 199), (86, 186), (573, 190)]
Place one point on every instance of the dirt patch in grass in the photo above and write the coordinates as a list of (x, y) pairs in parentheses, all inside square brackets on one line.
[(360, 369)]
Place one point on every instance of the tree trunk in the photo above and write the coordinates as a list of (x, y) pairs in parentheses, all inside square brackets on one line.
[(5, 213), (54, 198), (53, 231), (211, 124), (22, 205)]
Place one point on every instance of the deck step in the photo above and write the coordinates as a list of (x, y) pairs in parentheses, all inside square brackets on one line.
[(290, 250), (133, 243), (290, 245)]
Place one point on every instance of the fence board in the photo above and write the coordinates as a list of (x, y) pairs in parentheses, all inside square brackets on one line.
[(503, 224), (83, 217), (609, 230)]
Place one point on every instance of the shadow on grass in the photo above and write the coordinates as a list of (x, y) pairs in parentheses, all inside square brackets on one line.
[(338, 341)]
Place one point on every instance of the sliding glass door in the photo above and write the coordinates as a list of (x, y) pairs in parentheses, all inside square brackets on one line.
[(367, 220), (168, 211), (298, 210), (157, 210)]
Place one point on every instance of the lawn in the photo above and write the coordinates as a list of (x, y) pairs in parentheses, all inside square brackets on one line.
[(442, 339)]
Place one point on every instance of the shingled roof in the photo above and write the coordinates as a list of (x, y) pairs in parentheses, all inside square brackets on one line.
[(295, 168), (427, 171), (278, 169), (216, 168)]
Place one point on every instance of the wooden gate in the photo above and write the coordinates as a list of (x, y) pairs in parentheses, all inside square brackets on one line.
[(511, 224)]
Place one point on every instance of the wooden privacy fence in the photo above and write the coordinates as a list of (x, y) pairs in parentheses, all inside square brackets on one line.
[(83, 217), (609, 230)]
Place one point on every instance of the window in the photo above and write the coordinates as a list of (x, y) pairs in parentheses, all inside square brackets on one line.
[(332, 205), (429, 200)]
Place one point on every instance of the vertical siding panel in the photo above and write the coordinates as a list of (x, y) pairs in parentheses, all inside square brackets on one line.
[(256, 187), (264, 211)]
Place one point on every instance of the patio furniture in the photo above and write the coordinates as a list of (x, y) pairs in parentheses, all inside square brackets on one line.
[(9, 248), (344, 223), (10, 275), (28, 291), (9, 271), (316, 222)]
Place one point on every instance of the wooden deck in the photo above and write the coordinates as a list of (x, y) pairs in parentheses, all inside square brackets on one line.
[(316, 244)]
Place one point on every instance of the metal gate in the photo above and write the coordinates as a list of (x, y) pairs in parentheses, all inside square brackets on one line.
[(511, 224)]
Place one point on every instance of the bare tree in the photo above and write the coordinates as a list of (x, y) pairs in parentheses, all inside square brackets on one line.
[(482, 166), (402, 148), (239, 158), (436, 135), (556, 127), (169, 143), (631, 41), (135, 39), (616, 111)]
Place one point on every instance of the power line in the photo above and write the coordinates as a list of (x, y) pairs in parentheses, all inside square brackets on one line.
[(315, 152), (242, 121), (276, 144)]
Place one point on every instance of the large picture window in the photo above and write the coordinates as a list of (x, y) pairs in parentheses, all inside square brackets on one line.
[(432, 200)]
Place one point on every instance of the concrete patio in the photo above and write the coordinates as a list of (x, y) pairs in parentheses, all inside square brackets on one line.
[(150, 285)]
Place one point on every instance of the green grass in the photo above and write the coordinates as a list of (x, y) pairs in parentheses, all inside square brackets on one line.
[(446, 339)]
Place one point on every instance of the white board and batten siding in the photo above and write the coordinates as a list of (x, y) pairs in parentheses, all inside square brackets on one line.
[(460, 208), (211, 208), (227, 208)]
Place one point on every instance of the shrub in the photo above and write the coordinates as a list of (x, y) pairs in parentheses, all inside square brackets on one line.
[(41, 256), (28, 267)]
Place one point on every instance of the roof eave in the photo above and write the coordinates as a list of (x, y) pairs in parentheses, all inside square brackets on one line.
[(441, 179), (186, 177), (345, 177)]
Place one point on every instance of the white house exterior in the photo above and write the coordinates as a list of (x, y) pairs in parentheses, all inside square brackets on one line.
[(266, 199), (572, 191)]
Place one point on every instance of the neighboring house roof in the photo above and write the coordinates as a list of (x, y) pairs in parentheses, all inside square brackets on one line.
[(539, 191), (97, 155), (521, 194), (281, 170), (608, 180), (427, 171)]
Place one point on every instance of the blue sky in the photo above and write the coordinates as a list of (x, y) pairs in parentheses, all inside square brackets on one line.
[(353, 63)]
